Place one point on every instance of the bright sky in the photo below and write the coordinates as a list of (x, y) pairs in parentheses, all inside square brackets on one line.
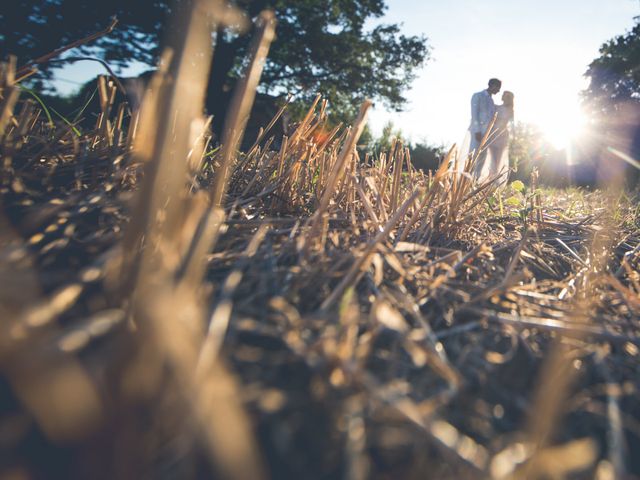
[(540, 49)]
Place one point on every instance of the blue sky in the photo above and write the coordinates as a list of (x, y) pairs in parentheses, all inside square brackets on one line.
[(540, 49)]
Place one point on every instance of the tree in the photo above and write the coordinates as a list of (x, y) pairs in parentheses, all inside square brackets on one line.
[(324, 46), (31, 28), (423, 155), (524, 150), (614, 77), (387, 136), (612, 101)]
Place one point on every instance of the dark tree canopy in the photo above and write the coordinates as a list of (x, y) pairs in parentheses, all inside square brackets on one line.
[(612, 101), (327, 46), (30, 28), (615, 75)]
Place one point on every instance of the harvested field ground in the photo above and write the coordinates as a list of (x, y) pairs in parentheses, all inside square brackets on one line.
[(331, 316)]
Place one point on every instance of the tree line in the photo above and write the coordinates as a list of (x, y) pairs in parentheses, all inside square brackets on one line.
[(337, 47)]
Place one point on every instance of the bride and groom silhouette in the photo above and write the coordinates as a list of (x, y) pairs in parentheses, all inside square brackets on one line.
[(488, 135)]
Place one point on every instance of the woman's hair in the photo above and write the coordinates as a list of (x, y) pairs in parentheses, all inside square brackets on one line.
[(507, 101)]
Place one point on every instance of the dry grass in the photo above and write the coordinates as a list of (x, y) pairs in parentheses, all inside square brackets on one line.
[(299, 311)]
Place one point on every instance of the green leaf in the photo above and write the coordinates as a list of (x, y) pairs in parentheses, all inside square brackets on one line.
[(46, 110), (513, 201), (518, 186), (39, 100)]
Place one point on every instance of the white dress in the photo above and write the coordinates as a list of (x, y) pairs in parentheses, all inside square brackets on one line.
[(496, 160)]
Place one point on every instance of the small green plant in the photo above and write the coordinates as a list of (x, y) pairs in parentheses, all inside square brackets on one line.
[(518, 186), (521, 199), (47, 111)]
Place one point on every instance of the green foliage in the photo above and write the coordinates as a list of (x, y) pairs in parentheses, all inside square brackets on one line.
[(521, 199), (614, 76), (79, 110), (389, 133), (48, 109), (330, 46), (31, 28), (513, 201), (423, 156), (426, 157), (612, 101), (518, 186), (521, 146)]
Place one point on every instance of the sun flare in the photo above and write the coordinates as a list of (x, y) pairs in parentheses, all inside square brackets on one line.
[(562, 126)]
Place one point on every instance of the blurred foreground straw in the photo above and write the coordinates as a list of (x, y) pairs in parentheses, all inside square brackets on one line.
[(167, 226)]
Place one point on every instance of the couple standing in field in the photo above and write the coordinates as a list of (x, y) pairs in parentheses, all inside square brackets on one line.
[(493, 153)]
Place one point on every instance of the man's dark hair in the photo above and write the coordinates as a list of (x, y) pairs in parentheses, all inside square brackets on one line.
[(496, 82)]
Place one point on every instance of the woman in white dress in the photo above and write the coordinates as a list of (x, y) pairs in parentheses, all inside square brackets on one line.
[(497, 159), (494, 155)]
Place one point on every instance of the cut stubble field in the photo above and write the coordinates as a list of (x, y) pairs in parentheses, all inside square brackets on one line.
[(302, 309)]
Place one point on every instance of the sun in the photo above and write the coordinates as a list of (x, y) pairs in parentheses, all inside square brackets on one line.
[(562, 125)]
